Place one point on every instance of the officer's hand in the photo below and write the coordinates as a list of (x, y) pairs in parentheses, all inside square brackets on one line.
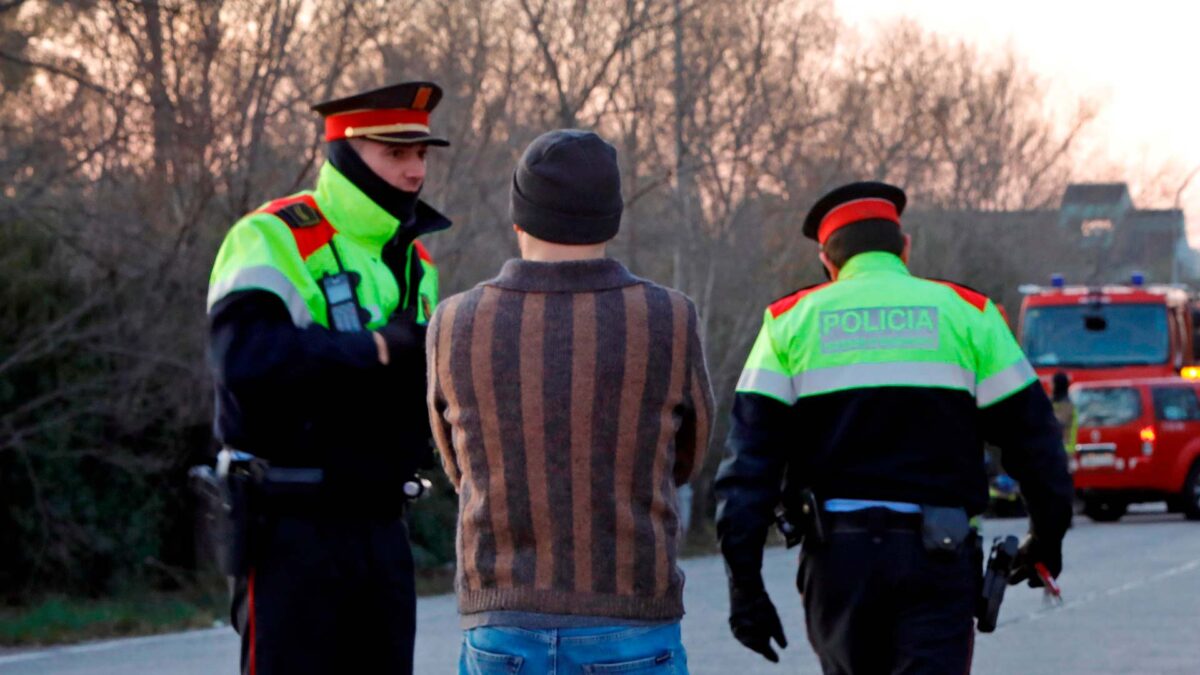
[(401, 336), (755, 622), (1032, 551)]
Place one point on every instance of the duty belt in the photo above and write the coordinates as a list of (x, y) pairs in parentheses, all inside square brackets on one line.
[(292, 487), (873, 519)]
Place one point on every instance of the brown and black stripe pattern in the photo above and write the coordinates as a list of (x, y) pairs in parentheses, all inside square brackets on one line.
[(568, 401)]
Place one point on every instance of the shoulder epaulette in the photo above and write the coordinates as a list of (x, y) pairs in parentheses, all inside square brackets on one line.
[(973, 297), (305, 221), (789, 301), (423, 252)]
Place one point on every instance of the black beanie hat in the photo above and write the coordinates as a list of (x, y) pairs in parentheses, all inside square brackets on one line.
[(567, 188)]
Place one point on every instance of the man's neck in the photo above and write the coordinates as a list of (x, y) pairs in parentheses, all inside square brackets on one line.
[(562, 253)]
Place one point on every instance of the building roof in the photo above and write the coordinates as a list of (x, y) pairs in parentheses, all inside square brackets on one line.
[(1096, 193), (1156, 220)]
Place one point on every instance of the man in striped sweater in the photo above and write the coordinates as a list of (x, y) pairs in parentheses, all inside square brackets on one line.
[(568, 399)]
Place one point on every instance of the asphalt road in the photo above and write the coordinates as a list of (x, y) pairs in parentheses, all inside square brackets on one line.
[(1132, 605)]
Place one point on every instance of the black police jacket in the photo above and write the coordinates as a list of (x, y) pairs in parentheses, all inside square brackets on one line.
[(314, 397)]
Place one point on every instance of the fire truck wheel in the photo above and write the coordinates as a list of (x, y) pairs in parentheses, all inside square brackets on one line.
[(1191, 493), (1104, 510)]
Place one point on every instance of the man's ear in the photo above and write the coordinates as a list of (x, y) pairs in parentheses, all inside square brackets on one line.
[(520, 239), (907, 248), (831, 270)]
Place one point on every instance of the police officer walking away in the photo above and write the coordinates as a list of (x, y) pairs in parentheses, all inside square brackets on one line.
[(872, 396), (317, 307)]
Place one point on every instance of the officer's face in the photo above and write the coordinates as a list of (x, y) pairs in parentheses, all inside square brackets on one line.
[(402, 165)]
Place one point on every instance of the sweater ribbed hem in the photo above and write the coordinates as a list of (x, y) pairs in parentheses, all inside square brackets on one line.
[(561, 602), (543, 621)]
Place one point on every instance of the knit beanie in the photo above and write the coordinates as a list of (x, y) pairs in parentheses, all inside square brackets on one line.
[(567, 188)]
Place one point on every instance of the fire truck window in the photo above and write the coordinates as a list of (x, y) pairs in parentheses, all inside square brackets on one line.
[(1107, 406), (1097, 336), (1196, 334), (1176, 404)]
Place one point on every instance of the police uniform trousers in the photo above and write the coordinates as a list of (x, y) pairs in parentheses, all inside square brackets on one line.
[(328, 595), (876, 602)]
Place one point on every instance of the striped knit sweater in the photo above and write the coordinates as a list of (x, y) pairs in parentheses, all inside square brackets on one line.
[(568, 400)]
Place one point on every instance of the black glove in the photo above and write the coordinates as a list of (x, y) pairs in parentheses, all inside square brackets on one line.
[(1035, 550), (754, 620), (404, 336)]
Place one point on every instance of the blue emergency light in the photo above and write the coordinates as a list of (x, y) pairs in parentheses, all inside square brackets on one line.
[(1138, 279), (1057, 281)]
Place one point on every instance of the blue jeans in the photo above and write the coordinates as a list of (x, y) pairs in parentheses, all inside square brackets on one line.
[(632, 650)]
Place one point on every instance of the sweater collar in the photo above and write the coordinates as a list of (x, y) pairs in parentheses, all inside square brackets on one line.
[(563, 277), (873, 262)]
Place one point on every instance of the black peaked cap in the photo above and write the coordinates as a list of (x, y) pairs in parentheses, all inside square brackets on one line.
[(849, 193), (405, 95)]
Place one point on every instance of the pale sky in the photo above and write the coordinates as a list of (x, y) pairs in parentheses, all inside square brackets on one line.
[(1140, 60)]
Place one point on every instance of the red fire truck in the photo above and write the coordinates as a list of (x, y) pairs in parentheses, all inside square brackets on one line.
[(1120, 331)]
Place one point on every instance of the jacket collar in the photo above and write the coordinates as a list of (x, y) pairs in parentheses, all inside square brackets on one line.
[(563, 277), (873, 262), (355, 215)]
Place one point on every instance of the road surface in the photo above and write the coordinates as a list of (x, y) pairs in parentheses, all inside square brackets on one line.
[(1132, 606)]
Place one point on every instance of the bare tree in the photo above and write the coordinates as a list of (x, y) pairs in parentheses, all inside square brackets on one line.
[(132, 134)]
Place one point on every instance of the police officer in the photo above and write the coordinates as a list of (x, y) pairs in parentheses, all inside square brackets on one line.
[(317, 307), (1064, 409), (876, 392)]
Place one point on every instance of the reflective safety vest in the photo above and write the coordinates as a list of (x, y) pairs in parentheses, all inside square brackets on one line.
[(879, 326), (882, 386), (288, 245), (878, 386)]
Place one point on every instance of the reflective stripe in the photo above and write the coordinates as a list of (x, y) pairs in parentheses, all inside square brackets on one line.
[(1008, 381), (899, 374), (768, 383), (266, 278)]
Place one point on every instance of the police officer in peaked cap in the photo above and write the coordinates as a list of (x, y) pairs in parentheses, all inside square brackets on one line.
[(862, 411), (317, 308)]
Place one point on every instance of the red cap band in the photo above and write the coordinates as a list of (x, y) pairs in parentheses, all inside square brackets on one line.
[(871, 208), (366, 122)]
